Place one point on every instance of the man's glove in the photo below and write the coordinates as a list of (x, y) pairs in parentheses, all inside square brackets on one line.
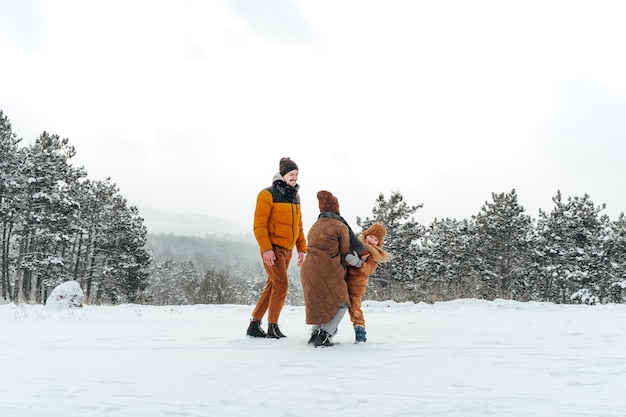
[(353, 259)]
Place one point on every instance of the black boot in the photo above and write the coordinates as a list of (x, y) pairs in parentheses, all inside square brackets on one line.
[(274, 332), (254, 329), (314, 334), (323, 339)]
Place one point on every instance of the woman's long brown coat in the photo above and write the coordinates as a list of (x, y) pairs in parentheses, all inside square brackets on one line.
[(323, 273)]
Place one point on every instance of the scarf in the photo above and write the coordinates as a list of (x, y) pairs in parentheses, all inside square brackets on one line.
[(285, 189)]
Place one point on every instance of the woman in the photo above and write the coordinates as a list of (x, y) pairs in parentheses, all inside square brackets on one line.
[(323, 272)]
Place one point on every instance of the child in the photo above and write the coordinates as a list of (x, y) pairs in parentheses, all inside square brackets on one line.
[(360, 270)]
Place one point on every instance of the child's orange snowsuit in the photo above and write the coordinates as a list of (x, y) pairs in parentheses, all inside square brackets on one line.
[(358, 277)]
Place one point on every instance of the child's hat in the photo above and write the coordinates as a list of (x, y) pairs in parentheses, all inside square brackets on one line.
[(286, 165), (327, 202), (378, 230)]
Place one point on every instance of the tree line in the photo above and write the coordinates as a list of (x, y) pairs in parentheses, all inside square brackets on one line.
[(573, 254), (58, 225)]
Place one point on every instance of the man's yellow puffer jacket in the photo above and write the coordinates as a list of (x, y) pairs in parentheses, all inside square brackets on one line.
[(278, 219)]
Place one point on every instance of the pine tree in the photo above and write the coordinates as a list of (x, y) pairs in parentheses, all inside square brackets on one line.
[(570, 247), (10, 184), (612, 284), (93, 250), (503, 246), (400, 276), (46, 210), (449, 267), (125, 270)]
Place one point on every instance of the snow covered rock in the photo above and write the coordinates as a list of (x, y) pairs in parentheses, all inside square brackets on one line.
[(66, 295)]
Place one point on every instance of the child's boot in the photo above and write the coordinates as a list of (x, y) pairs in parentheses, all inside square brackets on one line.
[(360, 334)]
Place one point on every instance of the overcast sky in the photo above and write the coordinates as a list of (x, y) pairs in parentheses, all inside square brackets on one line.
[(189, 105)]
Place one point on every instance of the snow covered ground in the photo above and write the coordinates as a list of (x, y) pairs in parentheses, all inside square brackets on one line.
[(460, 358)]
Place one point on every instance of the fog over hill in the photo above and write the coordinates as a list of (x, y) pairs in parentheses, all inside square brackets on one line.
[(188, 224)]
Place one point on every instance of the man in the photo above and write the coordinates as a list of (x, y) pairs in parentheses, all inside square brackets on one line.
[(278, 229)]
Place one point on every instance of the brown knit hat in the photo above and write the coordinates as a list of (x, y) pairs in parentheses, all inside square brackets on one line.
[(328, 202), (378, 230), (285, 165)]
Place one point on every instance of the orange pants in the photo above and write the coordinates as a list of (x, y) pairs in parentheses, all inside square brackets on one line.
[(356, 314), (273, 296)]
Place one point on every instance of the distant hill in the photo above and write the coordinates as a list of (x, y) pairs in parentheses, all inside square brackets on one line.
[(187, 224)]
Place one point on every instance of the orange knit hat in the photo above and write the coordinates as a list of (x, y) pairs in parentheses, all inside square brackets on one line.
[(378, 230)]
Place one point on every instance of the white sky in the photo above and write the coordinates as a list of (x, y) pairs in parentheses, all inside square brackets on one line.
[(465, 358), (189, 105)]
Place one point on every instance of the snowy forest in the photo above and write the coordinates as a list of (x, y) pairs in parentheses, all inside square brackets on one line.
[(59, 225)]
